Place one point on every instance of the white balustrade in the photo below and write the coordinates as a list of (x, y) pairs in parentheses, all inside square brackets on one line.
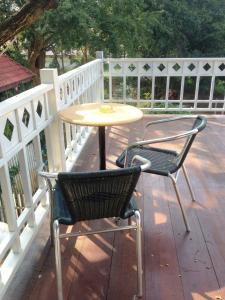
[(23, 120), (167, 84)]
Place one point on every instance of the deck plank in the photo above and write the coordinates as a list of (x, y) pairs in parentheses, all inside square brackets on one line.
[(161, 266)]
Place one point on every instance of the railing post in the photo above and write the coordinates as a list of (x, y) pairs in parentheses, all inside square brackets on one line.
[(100, 55), (54, 138)]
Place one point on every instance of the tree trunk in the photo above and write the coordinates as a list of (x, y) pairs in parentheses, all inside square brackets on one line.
[(36, 57), (85, 54), (28, 14), (37, 62), (40, 61), (33, 63)]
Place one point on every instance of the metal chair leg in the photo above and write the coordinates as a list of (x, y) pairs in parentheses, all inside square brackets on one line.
[(188, 183), (49, 184), (139, 254), (181, 206), (58, 260)]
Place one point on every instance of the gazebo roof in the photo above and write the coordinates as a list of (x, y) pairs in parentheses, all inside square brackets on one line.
[(12, 73)]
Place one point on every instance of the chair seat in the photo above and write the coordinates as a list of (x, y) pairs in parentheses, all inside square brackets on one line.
[(163, 161), (61, 211)]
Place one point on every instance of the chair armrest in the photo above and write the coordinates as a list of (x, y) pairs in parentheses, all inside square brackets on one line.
[(48, 175), (164, 139), (159, 140), (146, 163), (155, 141), (169, 120)]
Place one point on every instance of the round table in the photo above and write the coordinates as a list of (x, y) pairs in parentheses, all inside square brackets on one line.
[(101, 115)]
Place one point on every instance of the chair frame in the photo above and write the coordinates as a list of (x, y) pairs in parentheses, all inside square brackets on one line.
[(174, 178), (55, 230)]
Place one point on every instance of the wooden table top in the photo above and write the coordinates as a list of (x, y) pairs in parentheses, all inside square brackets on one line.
[(100, 114)]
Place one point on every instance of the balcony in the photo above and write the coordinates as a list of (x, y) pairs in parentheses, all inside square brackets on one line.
[(176, 265)]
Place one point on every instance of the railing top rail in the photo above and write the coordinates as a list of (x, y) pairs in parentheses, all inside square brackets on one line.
[(23, 98), (78, 70), (166, 59)]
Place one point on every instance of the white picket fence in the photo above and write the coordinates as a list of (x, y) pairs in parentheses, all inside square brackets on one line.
[(167, 84), (22, 119)]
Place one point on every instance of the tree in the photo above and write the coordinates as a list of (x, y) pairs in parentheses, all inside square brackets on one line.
[(138, 28), (190, 28), (27, 15)]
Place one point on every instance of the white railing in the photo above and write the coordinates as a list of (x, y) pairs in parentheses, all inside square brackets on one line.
[(167, 84), (29, 124), (24, 120)]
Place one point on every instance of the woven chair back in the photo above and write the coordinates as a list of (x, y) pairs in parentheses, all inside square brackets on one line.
[(101, 194)]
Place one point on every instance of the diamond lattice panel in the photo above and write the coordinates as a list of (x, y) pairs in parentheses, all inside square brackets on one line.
[(145, 69), (206, 68), (190, 68), (220, 68), (131, 69), (78, 83), (8, 129), (26, 119), (62, 96), (160, 68), (73, 85), (39, 107), (117, 68), (175, 68), (9, 137), (69, 91)]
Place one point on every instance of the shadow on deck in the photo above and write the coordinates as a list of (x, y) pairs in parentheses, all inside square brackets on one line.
[(177, 265)]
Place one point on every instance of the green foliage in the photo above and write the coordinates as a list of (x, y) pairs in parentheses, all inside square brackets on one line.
[(162, 105), (137, 28), (9, 7), (13, 171), (191, 28), (220, 87), (15, 53), (44, 150), (147, 95)]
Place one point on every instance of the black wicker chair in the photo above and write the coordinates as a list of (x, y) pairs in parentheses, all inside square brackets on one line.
[(163, 161), (88, 196)]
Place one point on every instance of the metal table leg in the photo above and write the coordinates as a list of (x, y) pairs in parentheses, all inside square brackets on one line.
[(101, 140)]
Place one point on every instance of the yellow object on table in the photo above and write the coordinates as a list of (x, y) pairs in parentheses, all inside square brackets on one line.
[(105, 108)]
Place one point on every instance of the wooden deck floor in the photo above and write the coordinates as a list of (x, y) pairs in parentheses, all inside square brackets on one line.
[(177, 265)]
